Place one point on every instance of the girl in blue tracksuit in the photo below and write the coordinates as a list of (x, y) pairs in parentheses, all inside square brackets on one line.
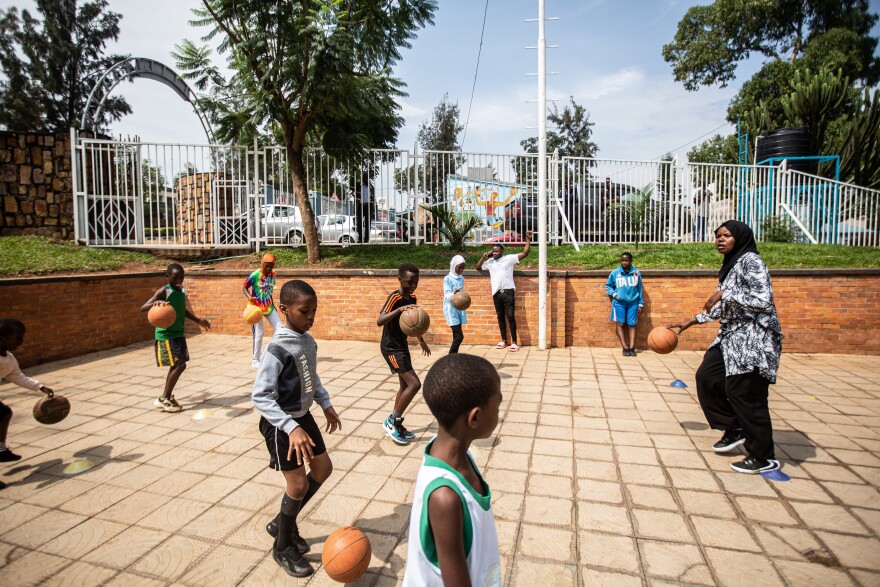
[(624, 287)]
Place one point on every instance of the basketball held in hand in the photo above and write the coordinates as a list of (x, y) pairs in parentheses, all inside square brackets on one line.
[(461, 300), (51, 409), (414, 321), (346, 554), (252, 314), (662, 340), (162, 316)]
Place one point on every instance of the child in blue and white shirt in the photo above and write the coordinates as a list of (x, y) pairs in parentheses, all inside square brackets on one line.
[(624, 288), (452, 284)]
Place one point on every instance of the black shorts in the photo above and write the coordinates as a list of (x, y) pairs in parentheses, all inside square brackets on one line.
[(278, 443), (398, 361), (171, 352)]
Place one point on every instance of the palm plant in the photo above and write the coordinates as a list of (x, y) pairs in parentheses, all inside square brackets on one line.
[(452, 226), (635, 211)]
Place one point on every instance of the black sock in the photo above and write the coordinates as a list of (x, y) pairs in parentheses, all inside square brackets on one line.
[(314, 486), (287, 521)]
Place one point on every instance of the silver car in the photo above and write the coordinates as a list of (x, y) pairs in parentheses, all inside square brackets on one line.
[(338, 228), (282, 223)]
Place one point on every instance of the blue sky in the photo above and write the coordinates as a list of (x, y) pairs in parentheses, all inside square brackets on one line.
[(609, 58)]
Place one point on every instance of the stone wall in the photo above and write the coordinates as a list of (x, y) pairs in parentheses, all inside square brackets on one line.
[(35, 184), (69, 316)]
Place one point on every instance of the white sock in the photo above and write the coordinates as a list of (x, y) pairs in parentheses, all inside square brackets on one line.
[(3, 446)]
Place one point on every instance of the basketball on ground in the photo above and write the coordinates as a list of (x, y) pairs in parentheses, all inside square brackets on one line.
[(414, 321), (461, 300), (662, 340), (51, 409), (162, 316), (252, 314), (346, 554)]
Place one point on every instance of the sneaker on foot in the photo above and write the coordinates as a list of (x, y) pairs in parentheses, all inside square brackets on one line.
[(392, 432), (167, 404), (730, 440), (255, 363), (298, 541), (402, 429), (752, 466), (7, 456), (625, 352), (292, 562), (501, 345), (514, 347)]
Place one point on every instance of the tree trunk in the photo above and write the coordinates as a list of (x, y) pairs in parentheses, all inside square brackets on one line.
[(300, 188)]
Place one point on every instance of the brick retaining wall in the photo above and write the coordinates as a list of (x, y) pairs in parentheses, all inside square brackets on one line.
[(821, 311)]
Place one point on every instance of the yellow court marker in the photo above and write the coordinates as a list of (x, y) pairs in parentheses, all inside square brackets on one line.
[(812, 397), (203, 414), (77, 466)]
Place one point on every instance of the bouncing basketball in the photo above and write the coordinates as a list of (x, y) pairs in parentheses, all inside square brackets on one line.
[(346, 554), (252, 314), (51, 409), (461, 300), (414, 321), (662, 340), (162, 316)]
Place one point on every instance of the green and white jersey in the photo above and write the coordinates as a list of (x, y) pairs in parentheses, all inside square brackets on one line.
[(480, 537)]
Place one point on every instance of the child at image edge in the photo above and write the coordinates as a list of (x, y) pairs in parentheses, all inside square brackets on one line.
[(395, 351), (624, 287), (286, 385), (171, 349), (12, 337), (452, 536)]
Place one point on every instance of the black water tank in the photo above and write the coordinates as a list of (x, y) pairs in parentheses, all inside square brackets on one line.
[(787, 142)]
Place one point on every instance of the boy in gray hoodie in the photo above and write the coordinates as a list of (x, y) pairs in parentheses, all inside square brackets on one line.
[(287, 383)]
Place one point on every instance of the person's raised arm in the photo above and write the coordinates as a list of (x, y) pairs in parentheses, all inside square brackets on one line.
[(159, 296), (483, 258), (447, 526), (525, 252)]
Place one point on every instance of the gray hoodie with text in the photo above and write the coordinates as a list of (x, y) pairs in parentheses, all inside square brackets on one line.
[(287, 380)]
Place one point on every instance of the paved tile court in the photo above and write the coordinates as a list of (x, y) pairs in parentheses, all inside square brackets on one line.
[(600, 471)]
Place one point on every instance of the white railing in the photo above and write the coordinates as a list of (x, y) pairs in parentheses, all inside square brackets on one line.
[(153, 195)]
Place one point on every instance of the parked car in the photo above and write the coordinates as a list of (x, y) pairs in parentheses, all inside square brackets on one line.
[(282, 223), (585, 209), (509, 237), (385, 231), (338, 228)]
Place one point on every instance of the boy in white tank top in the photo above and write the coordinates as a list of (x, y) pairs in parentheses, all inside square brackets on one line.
[(452, 537)]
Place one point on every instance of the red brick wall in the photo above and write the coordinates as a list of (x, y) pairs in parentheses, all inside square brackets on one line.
[(821, 312)]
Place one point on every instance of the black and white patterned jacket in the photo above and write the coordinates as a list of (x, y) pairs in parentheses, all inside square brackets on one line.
[(750, 335)]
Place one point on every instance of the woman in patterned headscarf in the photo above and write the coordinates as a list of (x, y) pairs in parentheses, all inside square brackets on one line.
[(737, 370)]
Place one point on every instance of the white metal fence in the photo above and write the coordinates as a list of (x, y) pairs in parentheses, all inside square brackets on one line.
[(152, 195)]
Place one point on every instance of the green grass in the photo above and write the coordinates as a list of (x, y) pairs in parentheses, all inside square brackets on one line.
[(38, 255), (665, 256)]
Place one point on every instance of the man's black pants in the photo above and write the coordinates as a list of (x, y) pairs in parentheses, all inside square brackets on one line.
[(505, 309)]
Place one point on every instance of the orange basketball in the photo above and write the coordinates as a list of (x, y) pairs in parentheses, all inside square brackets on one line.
[(346, 554), (414, 321), (662, 340), (162, 316), (461, 300), (51, 409), (252, 314)]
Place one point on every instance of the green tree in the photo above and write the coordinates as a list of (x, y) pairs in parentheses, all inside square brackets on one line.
[(440, 133), (50, 65), (454, 227), (635, 212), (718, 149), (316, 73), (570, 136), (712, 40)]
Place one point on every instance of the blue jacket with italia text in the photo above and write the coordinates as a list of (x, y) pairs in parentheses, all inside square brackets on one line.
[(625, 287)]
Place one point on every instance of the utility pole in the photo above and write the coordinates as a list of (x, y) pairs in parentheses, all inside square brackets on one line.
[(542, 181)]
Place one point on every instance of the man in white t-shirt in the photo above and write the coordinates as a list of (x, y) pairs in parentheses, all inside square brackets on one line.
[(500, 268)]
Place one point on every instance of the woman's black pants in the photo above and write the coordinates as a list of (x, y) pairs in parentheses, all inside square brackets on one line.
[(738, 401), (505, 309), (457, 337)]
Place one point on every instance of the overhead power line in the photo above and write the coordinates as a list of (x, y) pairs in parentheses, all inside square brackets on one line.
[(476, 71), (693, 141)]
